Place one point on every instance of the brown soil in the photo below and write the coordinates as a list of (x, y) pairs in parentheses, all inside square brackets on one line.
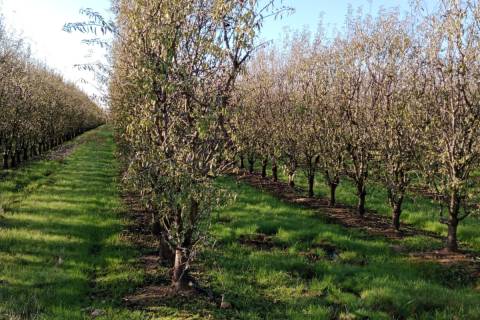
[(157, 286), (138, 231), (372, 223), (260, 241), (61, 152), (331, 252), (447, 258), (152, 295), (347, 216)]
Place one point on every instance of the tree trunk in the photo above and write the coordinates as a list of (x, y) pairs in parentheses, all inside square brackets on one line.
[(274, 171), (5, 161), (14, 160), (454, 208), (396, 212), (179, 279), (242, 162), (333, 189), (251, 165), (264, 168), (311, 182), (452, 243), (165, 252), (291, 178), (361, 193)]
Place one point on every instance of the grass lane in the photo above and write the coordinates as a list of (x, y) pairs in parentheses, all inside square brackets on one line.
[(314, 270), (61, 254), (416, 209)]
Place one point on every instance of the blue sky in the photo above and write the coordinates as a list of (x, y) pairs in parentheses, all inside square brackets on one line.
[(41, 22), (333, 12)]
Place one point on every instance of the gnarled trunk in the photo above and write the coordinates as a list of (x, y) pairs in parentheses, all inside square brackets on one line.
[(452, 242), (242, 162), (5, 161), (179, 279), (14, 160), (165, 252), (291, 178), (274, 170), (251, 164)]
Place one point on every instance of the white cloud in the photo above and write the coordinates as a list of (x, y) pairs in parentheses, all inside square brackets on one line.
[(40, 23)]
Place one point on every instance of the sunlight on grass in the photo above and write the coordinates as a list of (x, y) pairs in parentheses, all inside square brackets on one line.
[(309, 269), (59, 242)]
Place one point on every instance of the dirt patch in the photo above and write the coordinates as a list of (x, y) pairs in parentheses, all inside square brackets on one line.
[(61, 152), (154, 294), (157, 288), (139, 231), (470, 262), (327, 252), (261, 241), (311, 256), (459, 268)]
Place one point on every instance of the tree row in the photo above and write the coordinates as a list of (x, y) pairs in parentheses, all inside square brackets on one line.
[(393, 98), (39, 108)]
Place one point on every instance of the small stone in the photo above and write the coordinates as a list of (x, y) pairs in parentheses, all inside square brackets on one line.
[(97, 313)]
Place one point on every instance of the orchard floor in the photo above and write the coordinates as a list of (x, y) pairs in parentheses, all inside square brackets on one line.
[(69, 249), (61, 251)]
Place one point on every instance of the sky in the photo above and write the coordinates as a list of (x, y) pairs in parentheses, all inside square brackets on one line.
[(40, 22), (307, 13)]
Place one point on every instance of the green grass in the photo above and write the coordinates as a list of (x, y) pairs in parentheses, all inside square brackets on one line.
[(417, 210), (309, 269), (60, 246), (364, 279)]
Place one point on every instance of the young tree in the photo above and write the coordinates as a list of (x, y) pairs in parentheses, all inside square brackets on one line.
[(354, 99), (176, 64), (452, 106), (395, 80)]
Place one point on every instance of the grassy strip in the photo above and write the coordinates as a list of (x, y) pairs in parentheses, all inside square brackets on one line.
[(61, 253), (417, 210), (304, 268), (62, 256)]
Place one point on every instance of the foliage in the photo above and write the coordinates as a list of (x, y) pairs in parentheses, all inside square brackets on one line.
[(39, 108), (391, 98), (175, 66)]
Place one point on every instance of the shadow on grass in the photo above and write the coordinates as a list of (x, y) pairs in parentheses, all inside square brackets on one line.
[(60, 242), (365, 278)]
